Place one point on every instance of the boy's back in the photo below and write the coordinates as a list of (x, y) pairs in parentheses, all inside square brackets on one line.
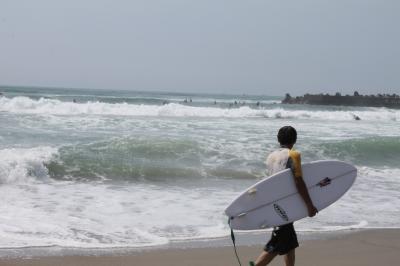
[(282, 159)]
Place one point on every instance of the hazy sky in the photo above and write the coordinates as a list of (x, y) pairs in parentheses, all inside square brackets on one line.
[(255, 47)]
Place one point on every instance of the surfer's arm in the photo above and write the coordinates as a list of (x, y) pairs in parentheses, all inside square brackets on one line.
[(301, 187), (295, 166)]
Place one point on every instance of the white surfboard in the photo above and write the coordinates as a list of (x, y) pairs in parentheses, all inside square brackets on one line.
[(275, 200)]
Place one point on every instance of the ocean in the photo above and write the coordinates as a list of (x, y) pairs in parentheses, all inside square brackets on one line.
[(121, 169)]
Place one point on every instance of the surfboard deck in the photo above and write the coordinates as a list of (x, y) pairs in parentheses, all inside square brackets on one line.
[(275, 200)]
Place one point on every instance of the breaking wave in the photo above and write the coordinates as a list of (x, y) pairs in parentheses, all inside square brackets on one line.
[(119, 159), (24, 164), (136, 159), (25, 105)]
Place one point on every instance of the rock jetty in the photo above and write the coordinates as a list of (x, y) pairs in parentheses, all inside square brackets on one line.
[(379, 100)]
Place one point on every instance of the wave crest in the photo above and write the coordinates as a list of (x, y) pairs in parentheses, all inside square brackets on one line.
[(375, 151), (25, 105), (20, 165)]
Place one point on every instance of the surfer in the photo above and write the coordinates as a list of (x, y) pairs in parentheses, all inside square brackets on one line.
[(356, 117), (284, 239)]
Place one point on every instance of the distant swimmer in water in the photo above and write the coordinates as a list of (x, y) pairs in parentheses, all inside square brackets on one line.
[(73, 100), (356, 117), (258, 103)]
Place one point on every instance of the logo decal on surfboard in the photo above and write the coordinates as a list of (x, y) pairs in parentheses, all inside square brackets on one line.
[(324, 182), (281, 212)]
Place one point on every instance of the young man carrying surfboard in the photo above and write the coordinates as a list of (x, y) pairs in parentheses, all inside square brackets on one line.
[(284, 239)]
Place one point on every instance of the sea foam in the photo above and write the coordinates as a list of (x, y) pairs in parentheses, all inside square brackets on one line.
[(24, 164), (25, 105)]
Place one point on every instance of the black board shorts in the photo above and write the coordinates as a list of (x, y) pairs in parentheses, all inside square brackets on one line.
[(283, 240)]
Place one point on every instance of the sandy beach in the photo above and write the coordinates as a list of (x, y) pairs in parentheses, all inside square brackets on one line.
[(370, 247)]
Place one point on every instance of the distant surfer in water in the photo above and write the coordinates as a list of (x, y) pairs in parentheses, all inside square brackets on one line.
[(356, 117), (284, 239)]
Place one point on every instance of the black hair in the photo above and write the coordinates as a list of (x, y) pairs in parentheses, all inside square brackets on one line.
[(287, 135)]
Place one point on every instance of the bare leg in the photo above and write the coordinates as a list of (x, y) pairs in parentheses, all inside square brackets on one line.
[(265, 258), (289, 258)]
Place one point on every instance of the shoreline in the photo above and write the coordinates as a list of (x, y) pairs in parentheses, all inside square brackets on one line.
[(354, 247), (243, 238)]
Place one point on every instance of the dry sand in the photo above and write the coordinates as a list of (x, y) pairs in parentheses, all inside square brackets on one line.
[(372, 247)]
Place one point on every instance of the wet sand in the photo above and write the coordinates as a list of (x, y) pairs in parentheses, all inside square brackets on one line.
[(370, 247)]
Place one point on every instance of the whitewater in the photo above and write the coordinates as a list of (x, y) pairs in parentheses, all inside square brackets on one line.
[(106, 169), (25, 105)]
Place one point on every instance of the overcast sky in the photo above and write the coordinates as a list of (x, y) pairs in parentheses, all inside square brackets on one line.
[(254, 47)]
